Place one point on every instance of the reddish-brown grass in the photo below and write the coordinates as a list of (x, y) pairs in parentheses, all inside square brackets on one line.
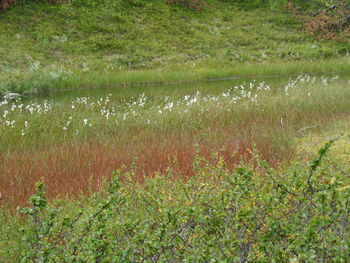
[(75, 166), (79, 168)]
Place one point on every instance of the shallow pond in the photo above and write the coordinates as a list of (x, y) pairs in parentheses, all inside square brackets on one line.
[(158, 91)]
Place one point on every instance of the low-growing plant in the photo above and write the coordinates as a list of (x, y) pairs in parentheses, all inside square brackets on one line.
[(277, 4), (254, 214), (5, 4), (192, 4), (332, 23)]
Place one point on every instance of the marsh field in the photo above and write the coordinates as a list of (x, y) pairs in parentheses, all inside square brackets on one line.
[(174, 131), (74, 140)]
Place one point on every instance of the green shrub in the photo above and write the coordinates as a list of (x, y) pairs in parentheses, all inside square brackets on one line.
[(254, 214)]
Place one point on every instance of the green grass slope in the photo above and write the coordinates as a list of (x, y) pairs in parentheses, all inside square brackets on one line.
[(53, 46)]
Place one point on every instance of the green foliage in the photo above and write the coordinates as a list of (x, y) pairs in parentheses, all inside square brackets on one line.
[(278, 4), (115, 37), (192, 4), (254, 214)]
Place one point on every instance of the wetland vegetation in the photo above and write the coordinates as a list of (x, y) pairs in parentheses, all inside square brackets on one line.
[(162, 131)]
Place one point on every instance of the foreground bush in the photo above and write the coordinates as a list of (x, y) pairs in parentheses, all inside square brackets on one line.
[(255, 214)]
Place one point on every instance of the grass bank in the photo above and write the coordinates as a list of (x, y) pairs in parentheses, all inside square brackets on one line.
[(46, 47), (44, 81)]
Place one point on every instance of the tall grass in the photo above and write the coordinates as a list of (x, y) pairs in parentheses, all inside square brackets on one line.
[(47, 80), (68, 143)]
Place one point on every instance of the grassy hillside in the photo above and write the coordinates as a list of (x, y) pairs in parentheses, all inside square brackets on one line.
[(68, 45)]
